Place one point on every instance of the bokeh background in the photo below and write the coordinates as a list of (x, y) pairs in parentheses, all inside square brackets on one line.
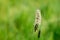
[(17, 19)]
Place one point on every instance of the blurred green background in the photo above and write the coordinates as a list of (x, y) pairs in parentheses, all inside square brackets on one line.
[(17, 19)]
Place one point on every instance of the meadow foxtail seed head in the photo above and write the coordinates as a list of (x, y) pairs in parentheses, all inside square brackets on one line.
[(38, 17), (37, 21)]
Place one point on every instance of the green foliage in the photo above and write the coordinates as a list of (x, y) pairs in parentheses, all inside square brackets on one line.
[(17, 19)]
